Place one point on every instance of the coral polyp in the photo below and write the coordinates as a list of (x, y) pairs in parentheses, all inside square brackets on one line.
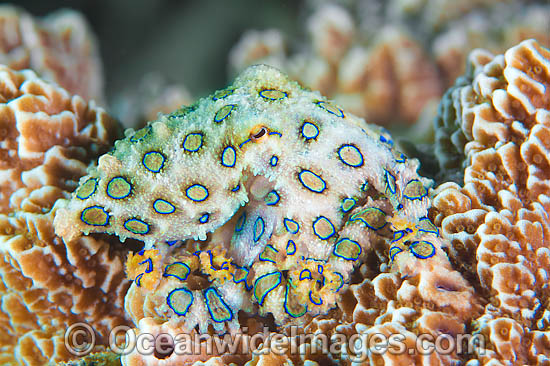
[(300, 189)]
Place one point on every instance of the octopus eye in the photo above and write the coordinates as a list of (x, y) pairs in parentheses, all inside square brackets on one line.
[(258, 133)]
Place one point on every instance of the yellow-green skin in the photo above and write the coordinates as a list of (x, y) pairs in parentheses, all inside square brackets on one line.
[(261, 116)]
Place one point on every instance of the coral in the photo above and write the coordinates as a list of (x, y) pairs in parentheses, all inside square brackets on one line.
[(95, 359), (390, 61), (59, 47), (391, 78), (485, 29), (495, 121), (296, 191), (48, 138)]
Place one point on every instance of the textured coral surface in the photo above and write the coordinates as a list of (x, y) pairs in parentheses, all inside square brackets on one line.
[(390, 60), (59, 48), (48, 137), (498, 120)]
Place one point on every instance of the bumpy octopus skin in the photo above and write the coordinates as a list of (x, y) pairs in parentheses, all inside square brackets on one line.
[(305, 189)]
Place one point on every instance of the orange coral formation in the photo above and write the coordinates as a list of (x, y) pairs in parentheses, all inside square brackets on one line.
[(379, 61), (385, 81), (497, 220), (59, 48), (48, 137)]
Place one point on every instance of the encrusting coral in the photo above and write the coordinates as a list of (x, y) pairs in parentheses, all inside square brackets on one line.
[(377, 60), (498, 120), (371, 81), (48, 138), (60, 48)]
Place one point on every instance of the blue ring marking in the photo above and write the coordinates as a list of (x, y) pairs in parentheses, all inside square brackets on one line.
[(285, 305), (92, 224), (348, 201), (287, 221), (141, 252), (421, 256), (316, 176), (88, 195), (242, 279), (436, 231), (341, 281), (261, 301), (331, 226), (192, 134), (275, 133), (394, 251), (273, 194), (129, 221), (309, 137), (171, 242), (197, 185), (314, 259), (306, 276), (292, 246), (351, 242), (385, 140), (356, 150), (402, 158), (261, 256), (311, 299), (149, 262), (222, 94), (398, 235), (138, 279), (330, 108), (399, 207), (271, 98), (165, 274), (257, 236), (357, 217), (274, 160), (232, 158), (244, 142), (211, 258), (219, 298), (142, 135), (161, 165), (412, 198), (171, 206), (188, 305), (120, 197), (224, 111), (236, 188), (240, 223), (320, 269), (204, 218), (390, 182)]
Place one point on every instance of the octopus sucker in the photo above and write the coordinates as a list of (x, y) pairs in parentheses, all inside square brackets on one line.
[(286, 192)]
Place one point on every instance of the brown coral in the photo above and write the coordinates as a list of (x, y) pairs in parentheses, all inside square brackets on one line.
[(387, 80), (48, 139), (500, 212), (59, 48), (389, 61)]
